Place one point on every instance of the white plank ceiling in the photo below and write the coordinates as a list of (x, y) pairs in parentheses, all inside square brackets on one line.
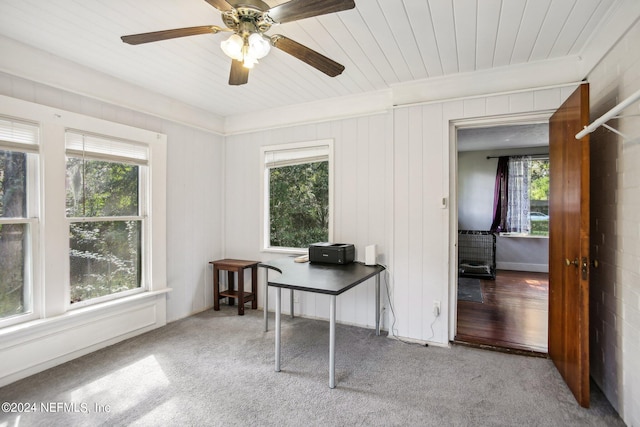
[(381, 43)]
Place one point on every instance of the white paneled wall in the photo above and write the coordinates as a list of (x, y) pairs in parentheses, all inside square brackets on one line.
[(194, 217), (615, 232), (362, 201), (420, 222), (392, 171), (194, 190), (424, 232)]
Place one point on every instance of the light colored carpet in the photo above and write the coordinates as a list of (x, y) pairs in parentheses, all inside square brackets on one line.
[(217, 368)]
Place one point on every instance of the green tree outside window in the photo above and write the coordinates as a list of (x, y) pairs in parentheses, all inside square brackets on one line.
[(299, 204)]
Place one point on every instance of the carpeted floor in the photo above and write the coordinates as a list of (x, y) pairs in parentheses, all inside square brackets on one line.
[(469, 289), (217, 368)]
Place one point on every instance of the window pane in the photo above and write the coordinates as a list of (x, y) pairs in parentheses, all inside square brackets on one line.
[(519, 201), (101, 188), (13, 184), (299, 205), (105, 258), (13, 292), (539, 213)]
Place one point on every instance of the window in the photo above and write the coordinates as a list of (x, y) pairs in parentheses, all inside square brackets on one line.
[(521, 205), (18, 217), (105, 203), (82, 224), (297, 195), (539, 197)]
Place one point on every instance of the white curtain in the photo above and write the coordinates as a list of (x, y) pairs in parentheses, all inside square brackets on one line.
[(518, 220)]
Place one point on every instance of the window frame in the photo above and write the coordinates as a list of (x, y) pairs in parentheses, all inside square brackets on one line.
[(529, 234), (537, 157), (143, 211), (265, 195), (51, 236), (31, 220)]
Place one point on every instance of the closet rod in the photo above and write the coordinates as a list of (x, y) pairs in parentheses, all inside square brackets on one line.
[(608, 115)]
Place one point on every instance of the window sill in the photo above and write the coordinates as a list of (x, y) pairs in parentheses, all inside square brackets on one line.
[(286, 251), (71, 317), (522, 236)]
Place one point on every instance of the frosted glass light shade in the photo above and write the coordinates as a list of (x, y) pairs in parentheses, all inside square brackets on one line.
[(259, 47), (232, 47)]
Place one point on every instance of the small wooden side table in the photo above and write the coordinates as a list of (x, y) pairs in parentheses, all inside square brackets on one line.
[(235, 266)]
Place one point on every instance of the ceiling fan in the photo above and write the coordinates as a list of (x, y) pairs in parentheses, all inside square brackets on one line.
[(248, 20)]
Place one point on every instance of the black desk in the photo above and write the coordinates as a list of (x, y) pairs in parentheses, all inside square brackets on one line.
[(329, 279)]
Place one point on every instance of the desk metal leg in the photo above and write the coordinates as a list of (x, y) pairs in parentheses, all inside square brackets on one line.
[(292, 303), (278, 304), (265, 304), (378, 304), (332, 343)]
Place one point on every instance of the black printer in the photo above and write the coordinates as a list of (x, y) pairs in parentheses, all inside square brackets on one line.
[(331, 253)]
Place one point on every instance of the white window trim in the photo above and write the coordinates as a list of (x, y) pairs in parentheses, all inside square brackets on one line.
[(32, 221), (50, 254), (264, 190), (113, 149), (544, 157)]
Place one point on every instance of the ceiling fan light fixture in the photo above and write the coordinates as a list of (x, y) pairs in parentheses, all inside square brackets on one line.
[(249, 20), (259, 46), (233, 47)]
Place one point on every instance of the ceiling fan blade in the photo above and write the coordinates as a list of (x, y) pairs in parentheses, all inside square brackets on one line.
[(221, 5), (305, 54), (171, 34), (239, 74), (300, 9)]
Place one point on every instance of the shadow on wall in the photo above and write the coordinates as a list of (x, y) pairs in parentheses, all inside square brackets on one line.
[(603, 345)]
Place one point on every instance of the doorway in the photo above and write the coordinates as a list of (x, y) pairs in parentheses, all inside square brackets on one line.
[(509, 306)]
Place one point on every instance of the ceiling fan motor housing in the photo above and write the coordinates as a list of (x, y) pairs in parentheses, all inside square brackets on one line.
[(246, 20)]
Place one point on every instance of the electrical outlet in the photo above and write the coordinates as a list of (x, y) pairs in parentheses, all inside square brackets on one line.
[(436, 308)]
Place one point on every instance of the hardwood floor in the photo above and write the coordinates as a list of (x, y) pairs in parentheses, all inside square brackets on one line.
[(512, 316)]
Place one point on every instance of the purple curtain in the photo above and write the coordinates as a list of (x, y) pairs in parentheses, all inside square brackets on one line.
[(500, 195)]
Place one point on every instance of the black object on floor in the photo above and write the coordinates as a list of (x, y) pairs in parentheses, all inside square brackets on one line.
[(469, 289)]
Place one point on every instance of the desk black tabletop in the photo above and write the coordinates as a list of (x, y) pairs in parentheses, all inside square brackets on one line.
[(331, 279)]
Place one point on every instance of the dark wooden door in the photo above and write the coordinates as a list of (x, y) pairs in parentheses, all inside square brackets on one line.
[(569, 243)]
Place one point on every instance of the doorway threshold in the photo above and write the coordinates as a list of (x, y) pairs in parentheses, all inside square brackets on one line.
[(500, 348)]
